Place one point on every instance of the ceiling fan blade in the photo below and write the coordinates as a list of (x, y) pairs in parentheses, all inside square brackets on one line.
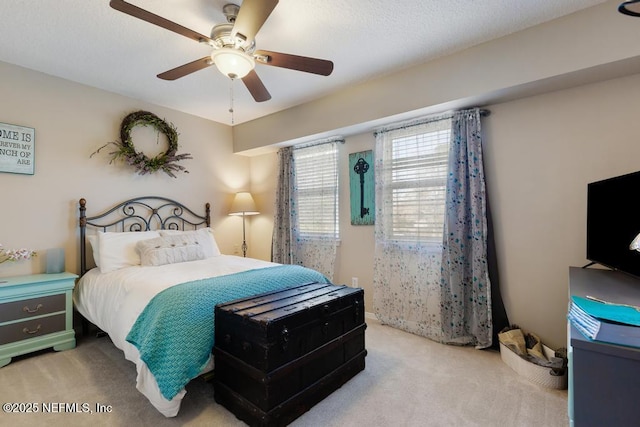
[(185, 69), (251, 17), (256, 87), (294, 62), (152, 18)]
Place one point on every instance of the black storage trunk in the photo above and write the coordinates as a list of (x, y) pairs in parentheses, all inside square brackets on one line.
[(278, 354)]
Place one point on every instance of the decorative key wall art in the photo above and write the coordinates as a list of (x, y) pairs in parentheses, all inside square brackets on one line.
[(17, 148), (362, 190)]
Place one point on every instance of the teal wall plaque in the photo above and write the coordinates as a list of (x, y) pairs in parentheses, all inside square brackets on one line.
[(362, 188)]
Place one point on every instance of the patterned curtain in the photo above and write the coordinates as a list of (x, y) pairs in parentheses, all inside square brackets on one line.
[(406, 277), (315, 244), (281, 248), (465, 287), (437, 289), (290, 243)]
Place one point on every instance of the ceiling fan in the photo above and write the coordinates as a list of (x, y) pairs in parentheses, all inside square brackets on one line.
[(234, 47)]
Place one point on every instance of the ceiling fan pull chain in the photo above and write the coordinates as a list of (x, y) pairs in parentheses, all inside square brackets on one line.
[(231, 100)]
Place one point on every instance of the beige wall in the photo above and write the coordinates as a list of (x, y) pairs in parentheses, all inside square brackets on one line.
[(71, 121), (355, 253), (588, 45), (540, 153), (563, 96), (263, 179)]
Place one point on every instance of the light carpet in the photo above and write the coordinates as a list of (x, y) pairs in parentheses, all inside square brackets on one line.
[(408, 381)]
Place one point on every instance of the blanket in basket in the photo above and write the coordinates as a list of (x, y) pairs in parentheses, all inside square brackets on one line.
[(174, 333)]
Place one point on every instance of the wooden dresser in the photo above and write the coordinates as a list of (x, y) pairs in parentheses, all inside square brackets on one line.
[(603, 378), (36, 312)]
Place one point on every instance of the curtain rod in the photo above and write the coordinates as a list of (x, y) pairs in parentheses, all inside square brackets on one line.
[(413, 122), (339, 139), (428, 119)]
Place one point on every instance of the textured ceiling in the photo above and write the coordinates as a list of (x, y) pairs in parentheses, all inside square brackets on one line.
[(87, 41)]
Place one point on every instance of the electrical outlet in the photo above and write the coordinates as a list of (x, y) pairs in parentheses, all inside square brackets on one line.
[(354, 282)]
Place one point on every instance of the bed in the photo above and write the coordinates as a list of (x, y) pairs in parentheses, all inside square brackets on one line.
[(151, 275)]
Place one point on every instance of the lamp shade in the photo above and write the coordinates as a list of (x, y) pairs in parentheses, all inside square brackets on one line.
[(243, 204), (232, 62)]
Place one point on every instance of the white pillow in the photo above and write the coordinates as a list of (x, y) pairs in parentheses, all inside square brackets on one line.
[(169, 250), (202, 236), (118, 250), (95, 248)]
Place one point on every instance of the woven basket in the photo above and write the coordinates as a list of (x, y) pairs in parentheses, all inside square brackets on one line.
[(535, 373)]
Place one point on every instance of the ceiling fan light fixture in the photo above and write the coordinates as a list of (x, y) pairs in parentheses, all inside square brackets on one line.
[(631, 8), (232, 62)]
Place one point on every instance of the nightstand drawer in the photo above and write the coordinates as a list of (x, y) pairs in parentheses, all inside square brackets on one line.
[(31, 328), (31, 307), (36, 312)]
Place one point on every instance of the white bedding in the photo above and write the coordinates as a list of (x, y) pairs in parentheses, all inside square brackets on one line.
[(113, 301)]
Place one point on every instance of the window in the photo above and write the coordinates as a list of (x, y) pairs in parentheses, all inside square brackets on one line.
[(414, 167), (316, 189)]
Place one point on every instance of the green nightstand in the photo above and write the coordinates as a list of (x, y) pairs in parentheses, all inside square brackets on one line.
[(36, 312)]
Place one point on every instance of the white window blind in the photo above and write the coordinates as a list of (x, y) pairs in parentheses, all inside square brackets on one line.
[(316, 180), (415, 176)]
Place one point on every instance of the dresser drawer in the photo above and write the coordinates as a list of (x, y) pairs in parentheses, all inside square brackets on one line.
[(31, 328), (31, 307)]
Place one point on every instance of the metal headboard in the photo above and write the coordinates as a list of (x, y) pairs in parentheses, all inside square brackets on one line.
[(140, 214)]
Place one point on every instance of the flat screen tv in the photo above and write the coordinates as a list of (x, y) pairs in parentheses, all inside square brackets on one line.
[(613, 221)]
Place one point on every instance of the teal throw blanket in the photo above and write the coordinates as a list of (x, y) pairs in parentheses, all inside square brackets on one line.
[(174, 333)]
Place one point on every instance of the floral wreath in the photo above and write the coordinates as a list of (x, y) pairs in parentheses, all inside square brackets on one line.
[(165, 161)]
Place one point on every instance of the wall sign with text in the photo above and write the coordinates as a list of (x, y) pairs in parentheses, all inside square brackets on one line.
[(17, 149)]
